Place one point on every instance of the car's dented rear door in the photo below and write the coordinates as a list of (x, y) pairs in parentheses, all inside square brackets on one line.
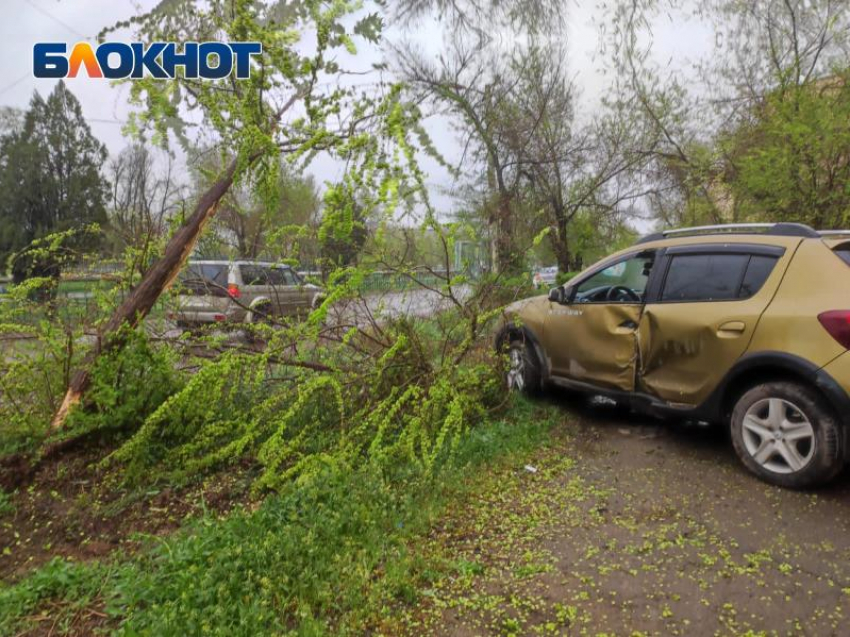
[(704, 316)]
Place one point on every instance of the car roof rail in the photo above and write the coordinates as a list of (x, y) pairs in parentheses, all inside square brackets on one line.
[(781, 229), (834, 233)]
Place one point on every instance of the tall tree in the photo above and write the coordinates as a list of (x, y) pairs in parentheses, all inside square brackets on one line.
[(785, 142), (792, 162), (473, 81), (574, 174), (50, 177), (142, 198), (474, 84)]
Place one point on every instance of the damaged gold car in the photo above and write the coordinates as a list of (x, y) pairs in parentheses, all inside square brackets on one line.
[(746, 325)]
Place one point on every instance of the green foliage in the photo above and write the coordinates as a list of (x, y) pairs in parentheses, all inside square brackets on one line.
[(342, 233), (38, 354), (274, 220), (235, 408), (792, 162), (47, 333), (77, 583), (6, 504), (127, 385), (324, 556), (593, 238), (564, 277)]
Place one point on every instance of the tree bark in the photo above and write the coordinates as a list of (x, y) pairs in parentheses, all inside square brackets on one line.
[(140, 301), (506, 258), (560, 239), (562, 252)]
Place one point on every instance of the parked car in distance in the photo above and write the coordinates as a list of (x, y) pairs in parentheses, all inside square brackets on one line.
[(544, 277), (746, 325), (241, 292)]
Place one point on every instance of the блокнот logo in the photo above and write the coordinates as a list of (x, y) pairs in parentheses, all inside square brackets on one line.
[(119, 60)]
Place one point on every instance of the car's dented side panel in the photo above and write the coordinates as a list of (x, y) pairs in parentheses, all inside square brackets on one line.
[(594, 343), (686, 348)]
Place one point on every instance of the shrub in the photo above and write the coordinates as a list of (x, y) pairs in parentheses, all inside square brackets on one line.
[(294, 421), (127, 385)]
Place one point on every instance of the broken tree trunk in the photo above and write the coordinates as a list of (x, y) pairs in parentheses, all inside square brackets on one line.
[(143, 297)]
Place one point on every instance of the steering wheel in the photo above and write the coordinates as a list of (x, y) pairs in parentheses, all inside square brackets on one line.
[(616, 290)]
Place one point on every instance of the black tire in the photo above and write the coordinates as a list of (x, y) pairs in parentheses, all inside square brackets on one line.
[(791, 437), (526, 378)]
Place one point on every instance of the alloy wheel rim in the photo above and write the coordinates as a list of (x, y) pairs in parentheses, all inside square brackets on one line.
[(778, 435), (516, 371)]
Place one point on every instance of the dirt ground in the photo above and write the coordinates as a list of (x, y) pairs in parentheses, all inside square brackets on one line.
[(629, 526), (75, 510)]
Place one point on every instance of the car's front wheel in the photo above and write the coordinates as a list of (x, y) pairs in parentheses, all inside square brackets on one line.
[(523, 372), (785, 434)]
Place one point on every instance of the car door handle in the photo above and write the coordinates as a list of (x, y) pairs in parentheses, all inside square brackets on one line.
[(732, 329)]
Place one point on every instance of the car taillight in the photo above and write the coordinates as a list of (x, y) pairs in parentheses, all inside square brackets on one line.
[(233, 291), (837, 323)]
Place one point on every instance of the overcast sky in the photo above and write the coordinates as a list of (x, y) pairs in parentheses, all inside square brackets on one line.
[(104, 106)]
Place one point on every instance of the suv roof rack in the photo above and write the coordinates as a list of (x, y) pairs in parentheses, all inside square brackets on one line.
[(834, 233), (773, 229)]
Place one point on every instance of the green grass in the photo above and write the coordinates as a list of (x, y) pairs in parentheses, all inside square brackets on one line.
[(331, 555)]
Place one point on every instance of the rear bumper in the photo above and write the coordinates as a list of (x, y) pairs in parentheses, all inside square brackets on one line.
[(206, 316)]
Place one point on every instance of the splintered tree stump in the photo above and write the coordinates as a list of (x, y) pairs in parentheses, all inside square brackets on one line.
[(143, 297)]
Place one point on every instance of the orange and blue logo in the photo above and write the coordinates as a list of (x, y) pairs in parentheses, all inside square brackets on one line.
[(120, 60)]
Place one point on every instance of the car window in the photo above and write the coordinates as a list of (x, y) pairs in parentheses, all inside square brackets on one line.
[(843, 251), (277, 276), (287, 276), (758, 269), (211, 272), (704, 277), (204, 278), (622, 282), (268, 275)]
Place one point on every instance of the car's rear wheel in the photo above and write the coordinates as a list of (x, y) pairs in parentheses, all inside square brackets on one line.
[(523, 373), (785, 434)]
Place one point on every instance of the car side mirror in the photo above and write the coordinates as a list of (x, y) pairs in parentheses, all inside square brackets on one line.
[(556, 295)]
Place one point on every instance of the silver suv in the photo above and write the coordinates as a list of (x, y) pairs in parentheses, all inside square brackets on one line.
[(241, 292)]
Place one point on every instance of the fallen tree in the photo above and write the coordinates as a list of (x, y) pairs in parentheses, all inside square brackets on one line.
[(283, 108)]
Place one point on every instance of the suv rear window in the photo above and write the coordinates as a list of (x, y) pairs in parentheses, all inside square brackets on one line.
[(715, 277), (204, 279), (265, 275)]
